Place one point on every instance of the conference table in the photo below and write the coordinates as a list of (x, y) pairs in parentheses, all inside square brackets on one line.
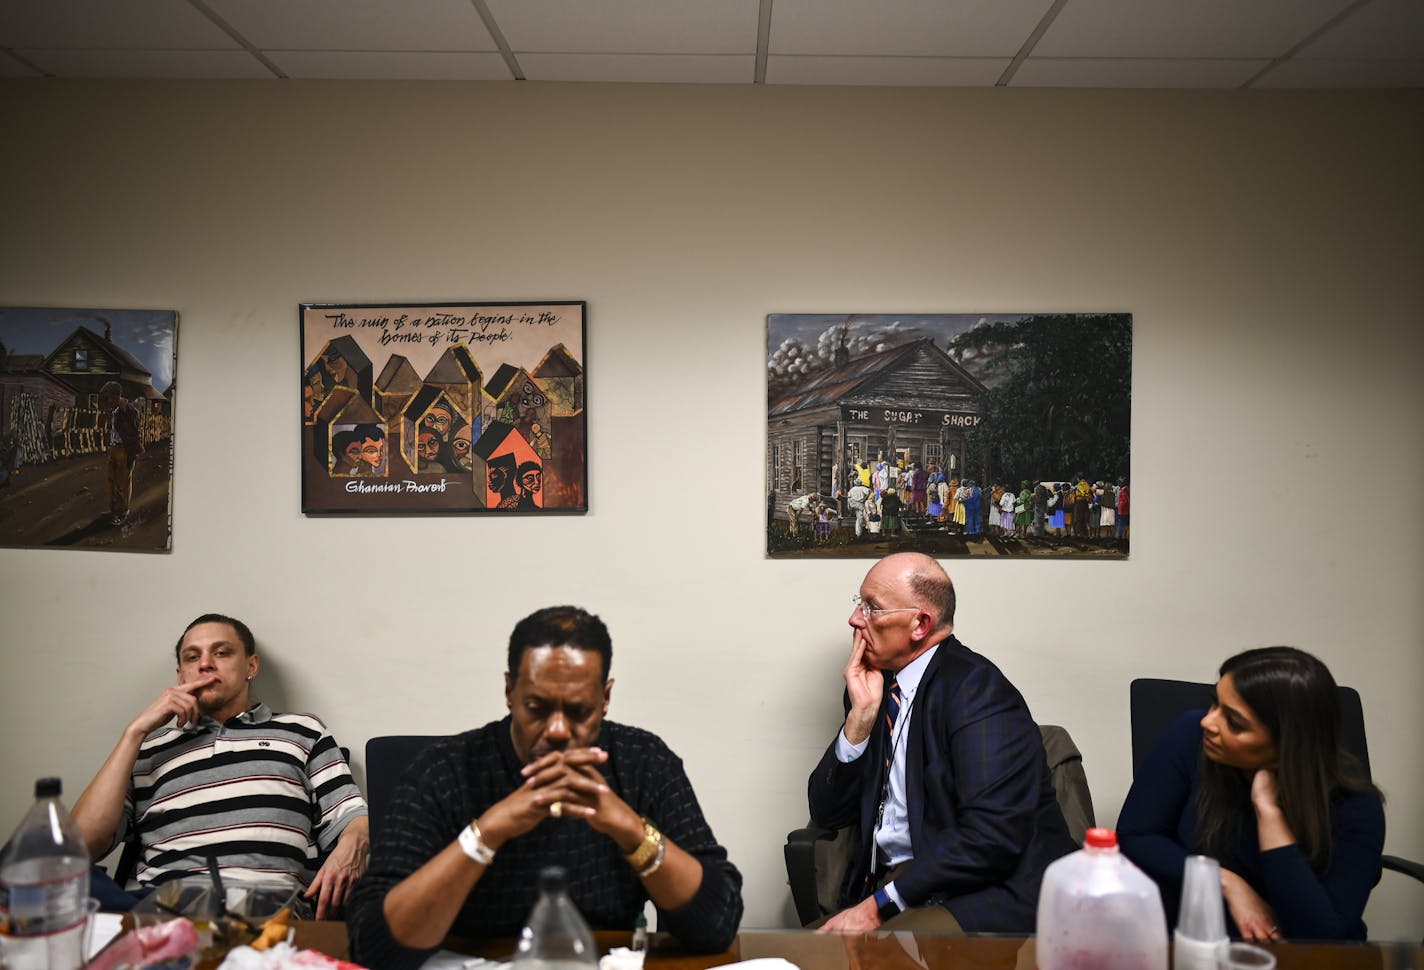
[(887, 951)]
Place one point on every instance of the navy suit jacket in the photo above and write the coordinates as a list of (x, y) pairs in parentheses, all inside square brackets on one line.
[(984, 819)]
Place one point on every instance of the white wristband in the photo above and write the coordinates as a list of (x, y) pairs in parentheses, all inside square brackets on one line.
[(473, 846)]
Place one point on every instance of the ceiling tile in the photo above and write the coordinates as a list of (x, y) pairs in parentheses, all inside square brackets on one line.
[(1193, 29), (965, 28), (1381, 28), (392, 65), (357, 25), (907, 71), (628, 26), (1086, 72), (148, 64), (1345, 74), (1090, 43), (108, 24), (646, 68)]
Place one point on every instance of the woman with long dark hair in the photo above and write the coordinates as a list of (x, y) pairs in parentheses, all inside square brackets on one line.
[(1261, 783)]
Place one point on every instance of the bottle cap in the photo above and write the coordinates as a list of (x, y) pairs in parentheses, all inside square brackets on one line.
[(48, 788), (552, 879), (1100, 839)]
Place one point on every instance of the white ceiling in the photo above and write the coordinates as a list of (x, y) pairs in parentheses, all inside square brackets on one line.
[(977, 43)]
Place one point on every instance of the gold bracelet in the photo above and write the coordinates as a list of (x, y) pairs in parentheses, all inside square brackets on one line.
[(657, 862), (643, 854)]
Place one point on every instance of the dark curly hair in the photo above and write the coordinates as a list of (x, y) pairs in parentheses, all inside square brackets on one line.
[(560, 626)]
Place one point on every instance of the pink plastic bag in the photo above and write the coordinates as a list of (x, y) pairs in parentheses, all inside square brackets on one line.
[(173, 944)]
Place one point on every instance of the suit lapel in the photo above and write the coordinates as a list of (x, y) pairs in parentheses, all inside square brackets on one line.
[(916, 755)]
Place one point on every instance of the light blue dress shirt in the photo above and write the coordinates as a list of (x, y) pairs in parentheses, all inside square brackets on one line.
[(892, 834)]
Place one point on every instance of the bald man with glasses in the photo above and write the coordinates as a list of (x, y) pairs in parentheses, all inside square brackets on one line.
[(940, 768)]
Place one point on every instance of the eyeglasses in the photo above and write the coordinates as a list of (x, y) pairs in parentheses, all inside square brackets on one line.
[(871, 612)]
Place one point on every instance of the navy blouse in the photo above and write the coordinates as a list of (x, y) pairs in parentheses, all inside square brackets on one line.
[(1157, 831)]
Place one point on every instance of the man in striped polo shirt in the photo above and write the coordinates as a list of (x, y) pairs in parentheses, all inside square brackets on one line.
[(266, 795)]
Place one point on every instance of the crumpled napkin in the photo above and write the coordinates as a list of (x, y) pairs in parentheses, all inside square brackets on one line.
[(281, 956), (622, 958)]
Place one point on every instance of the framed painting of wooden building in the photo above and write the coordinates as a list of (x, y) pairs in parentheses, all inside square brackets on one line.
[(86, 427), (954, 434), (448, 395)]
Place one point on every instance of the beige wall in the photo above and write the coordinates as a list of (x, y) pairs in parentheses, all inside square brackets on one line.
[(1268, 246)]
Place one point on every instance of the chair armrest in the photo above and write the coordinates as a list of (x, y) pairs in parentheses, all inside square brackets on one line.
[(801, 870), (1406, 866)]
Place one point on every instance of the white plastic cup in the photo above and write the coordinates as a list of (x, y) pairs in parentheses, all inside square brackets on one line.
[(1244, 956), (1202, 915), (1190, 954)]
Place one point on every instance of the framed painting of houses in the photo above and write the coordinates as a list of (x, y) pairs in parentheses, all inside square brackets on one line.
[(444, 407), (987, 435), (86, 427)]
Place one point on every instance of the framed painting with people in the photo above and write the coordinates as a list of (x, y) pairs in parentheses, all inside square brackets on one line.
[(86, 427), (954, 434), (444, 407)]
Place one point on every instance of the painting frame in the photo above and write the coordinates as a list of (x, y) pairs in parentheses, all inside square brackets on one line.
[(87, 398), (444, 407), (890, 432)]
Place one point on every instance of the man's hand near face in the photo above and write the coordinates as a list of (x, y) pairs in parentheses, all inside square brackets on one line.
[(101, 806), (572, 779), (865, 686), (569, 778), (179, 701)]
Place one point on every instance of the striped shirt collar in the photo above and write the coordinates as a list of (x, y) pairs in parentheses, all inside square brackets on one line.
[(259, 713)]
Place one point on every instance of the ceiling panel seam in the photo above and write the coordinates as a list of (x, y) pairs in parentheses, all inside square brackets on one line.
[(1046, 21), (16, 56), (1309, 39), (236, 35), (763, 44), (497, 35)]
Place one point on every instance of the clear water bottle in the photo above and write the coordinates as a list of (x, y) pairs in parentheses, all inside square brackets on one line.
[(45, 878), (1097, 911), (556, 936)]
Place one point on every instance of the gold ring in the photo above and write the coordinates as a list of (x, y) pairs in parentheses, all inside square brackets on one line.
[(556, 810)]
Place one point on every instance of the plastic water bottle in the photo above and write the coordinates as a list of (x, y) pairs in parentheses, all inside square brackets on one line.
[(44, 876), (1097, 911), (556, 936)]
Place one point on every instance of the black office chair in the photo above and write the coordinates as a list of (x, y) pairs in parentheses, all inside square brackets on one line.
[(816, 858), (387, 757), (1155, 704)]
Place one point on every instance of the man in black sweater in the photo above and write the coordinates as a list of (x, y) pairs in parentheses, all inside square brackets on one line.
[(477, 815)]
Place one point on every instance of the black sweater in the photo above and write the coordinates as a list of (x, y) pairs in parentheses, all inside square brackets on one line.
[(455, 780)]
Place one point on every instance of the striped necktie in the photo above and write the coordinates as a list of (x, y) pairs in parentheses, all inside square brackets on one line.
[(893, 700), (892, 713)]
